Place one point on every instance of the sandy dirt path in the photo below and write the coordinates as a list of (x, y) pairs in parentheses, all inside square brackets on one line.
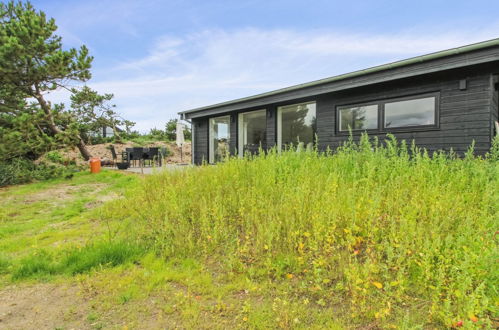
[(43, 306)]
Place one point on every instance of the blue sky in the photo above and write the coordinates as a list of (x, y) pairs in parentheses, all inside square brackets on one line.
[(161, 57)]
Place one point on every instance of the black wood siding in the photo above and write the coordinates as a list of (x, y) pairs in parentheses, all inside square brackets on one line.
[(200, 140), (271, 126), (464, 115), (233, 133), (495, 104)]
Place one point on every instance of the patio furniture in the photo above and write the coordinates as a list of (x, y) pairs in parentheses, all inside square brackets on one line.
[(152, 155), (125, 157), (113, 153), (149, 155), (144, 156), (134, 155), (122, 165), (137, 155)]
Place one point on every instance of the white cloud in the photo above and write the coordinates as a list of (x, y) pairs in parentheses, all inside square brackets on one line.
[(211, 66)]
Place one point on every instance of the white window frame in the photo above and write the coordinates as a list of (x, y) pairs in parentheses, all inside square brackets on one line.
[(211, 146), (240, 130), (279, 120), (193, 143)]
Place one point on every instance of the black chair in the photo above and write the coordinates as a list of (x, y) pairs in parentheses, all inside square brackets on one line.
[(113, 153), (125, 163), (153, 155), (136, 154), (145, 155), (129, 152), (124, 157), (149, 154)]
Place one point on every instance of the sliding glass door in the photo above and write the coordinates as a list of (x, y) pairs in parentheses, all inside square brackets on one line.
[(252, 130), (296, 126), (219, 139)]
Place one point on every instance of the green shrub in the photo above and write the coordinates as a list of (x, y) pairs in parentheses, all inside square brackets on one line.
[(54, 157), (20, 170), (165, 151), (494, 150), (388, 228)]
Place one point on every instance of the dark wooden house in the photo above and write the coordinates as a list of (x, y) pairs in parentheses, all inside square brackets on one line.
[(441, 100)]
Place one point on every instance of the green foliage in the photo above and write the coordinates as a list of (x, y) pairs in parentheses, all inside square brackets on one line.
[(494, 150), (154, 135), (171, 131), (30, 52), (4, 264), (77, 260), (20, 136), (131, 135), (144, 140), (32, 215), (35, 63), (92, 112), (38, 265), (386, 229), (165, 152), (109, 254), (20, 170), (54, 157), (157, 134)]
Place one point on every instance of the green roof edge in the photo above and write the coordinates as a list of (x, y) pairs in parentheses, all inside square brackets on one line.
[(392, 65)]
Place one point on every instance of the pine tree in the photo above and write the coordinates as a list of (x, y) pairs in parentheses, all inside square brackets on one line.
[(33, 63)]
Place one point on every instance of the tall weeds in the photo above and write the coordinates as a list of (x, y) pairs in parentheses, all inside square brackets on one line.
[(388, 228)]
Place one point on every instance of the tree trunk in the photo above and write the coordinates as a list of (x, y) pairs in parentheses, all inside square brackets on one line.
[(83, 149), (80, 144), (117, 136)]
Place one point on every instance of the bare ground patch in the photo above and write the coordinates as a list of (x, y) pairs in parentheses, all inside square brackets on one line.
[(56, 195), (101, 199), (43, 306), (63, 192)]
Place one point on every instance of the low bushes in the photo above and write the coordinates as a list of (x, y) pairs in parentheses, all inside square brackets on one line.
[(391, 230), (20, 170)]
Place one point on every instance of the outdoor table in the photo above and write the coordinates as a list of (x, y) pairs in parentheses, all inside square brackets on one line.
[(141, 155)]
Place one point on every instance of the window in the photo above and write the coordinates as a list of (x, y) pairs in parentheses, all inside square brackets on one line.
[(219, 139), (415, 112), (296, 125), (252, 130), (384, 115), (360, 117)]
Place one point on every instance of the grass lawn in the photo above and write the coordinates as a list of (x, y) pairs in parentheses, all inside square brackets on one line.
[(57, 248), (367, 238)]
